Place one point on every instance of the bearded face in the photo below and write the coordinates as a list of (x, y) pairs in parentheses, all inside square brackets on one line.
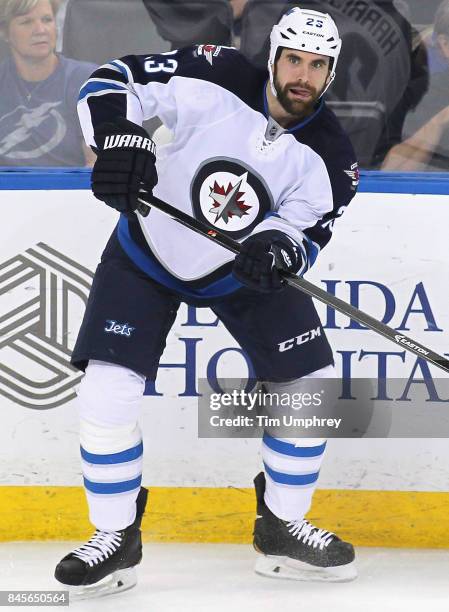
[(300, 78)]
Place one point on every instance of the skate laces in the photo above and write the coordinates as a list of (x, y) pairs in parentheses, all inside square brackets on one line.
[(305, 531), (101, 545)]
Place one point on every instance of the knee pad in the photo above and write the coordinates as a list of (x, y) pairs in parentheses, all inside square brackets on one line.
[(109, 400), (110, 394), (99, 439)]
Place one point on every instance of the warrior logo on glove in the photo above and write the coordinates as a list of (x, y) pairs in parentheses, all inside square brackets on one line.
[(126, 162), (129, 140)]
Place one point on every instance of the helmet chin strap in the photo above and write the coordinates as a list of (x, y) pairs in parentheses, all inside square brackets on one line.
[(271, 71), (331, 78)]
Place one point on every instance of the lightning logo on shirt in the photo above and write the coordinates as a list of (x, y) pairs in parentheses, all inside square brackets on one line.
[(19, 144)]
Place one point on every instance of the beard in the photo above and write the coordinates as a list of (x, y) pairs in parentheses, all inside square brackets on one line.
[(297, 108)]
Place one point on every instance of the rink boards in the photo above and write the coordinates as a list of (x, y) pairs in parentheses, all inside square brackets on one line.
[(388, 256)]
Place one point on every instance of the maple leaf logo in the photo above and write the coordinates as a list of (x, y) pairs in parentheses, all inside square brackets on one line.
[(227, 202)]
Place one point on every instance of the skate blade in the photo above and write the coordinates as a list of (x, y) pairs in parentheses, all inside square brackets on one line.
[(118, 581), (291, 569)]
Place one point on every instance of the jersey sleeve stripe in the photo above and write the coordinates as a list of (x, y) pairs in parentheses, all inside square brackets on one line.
[(99, 88), (124, 69), (110, 66), (109, 73)]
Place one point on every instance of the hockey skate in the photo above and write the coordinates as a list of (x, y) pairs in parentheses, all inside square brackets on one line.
[(297, 550), (106, 563)]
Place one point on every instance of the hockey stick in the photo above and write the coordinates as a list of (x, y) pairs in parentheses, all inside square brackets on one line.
[(146, 201)]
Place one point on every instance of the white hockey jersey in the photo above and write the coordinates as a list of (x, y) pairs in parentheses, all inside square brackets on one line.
[(228, 165)]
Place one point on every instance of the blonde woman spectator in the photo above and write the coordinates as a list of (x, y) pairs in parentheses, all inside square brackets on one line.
[(38, 90)]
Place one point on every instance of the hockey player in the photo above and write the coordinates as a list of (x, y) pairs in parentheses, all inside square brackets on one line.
[(260, 157)]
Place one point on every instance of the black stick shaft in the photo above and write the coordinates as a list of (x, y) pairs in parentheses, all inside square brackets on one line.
[(146, 200)]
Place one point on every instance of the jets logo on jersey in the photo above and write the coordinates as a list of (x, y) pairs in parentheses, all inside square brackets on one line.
[(229, 196), (354, 174)]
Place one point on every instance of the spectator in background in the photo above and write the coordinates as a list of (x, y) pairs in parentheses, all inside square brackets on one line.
[(185, 23), (426, 130), (238, 6), (39, 90)]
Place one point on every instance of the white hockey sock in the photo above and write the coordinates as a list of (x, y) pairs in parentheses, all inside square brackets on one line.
[(291, 470), (292, 466), (111, 443)]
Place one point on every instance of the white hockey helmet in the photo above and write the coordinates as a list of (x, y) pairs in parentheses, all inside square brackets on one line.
[(305, 30)]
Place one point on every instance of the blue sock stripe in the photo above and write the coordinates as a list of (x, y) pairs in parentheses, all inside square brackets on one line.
[(293, 451), (291, 479), (108, 488), (127, 455)]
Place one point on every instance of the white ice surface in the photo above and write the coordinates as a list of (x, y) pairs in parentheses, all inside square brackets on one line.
[(219, 578)]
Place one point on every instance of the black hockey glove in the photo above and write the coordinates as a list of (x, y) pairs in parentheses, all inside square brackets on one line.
[(125, 162), (262, 259)]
